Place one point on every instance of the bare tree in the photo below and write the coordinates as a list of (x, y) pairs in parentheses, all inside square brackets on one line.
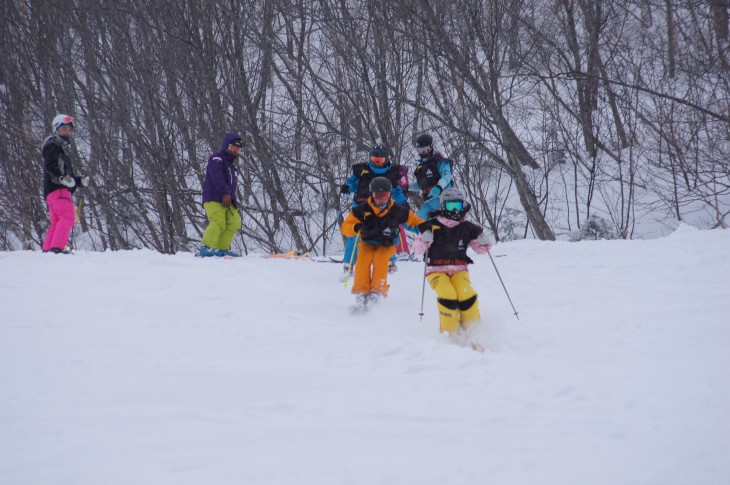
[(552, 111)]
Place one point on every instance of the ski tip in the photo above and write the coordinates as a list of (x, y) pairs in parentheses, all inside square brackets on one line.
[(358, 309)]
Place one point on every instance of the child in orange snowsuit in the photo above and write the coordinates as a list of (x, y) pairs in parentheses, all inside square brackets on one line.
[(376, 223)]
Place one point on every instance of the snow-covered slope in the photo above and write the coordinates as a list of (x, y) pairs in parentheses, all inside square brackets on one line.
[(140, 368)]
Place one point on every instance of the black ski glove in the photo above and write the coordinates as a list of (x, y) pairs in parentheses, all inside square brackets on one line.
[(424, 227)]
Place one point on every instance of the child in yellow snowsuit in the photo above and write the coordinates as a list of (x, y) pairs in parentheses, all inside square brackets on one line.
[(446, 238), (376, 223)]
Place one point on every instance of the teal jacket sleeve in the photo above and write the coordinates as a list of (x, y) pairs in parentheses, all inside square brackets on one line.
[(444, 168)]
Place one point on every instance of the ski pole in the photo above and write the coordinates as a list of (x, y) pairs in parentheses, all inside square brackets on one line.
[(505, 288), (77, 221), (400, 237), (423, 287), (352, 257), (78, 208)]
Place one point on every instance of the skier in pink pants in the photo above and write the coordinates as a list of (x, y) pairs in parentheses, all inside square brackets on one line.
[(59, 182)]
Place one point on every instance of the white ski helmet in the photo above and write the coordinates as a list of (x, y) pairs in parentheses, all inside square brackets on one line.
[(61, 120)]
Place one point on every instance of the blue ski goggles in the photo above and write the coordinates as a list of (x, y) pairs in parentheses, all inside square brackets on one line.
[(454, 205)]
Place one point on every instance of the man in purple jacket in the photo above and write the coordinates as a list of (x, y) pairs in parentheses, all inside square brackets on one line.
[(219, 199)]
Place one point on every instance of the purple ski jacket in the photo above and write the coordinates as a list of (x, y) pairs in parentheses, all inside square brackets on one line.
[(220, 176)]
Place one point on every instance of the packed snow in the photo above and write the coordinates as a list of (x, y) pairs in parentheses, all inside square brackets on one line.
[(134, 367)]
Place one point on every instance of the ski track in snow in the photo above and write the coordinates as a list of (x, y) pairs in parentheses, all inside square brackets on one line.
[(135, 367)]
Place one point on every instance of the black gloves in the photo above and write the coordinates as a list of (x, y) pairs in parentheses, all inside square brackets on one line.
[(424, 227), (376, 232), (344, 189)]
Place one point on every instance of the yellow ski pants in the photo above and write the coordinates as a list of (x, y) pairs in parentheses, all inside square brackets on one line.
[(224, 223), (456, 300)]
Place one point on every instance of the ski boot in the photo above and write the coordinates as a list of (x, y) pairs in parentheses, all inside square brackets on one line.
[(207, 252), (361, 304), (373, 298), (230, 254)]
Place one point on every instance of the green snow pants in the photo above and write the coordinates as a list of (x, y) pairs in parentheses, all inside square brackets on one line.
[(224, 223)]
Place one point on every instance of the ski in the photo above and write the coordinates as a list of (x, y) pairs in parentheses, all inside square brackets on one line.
[(477, 347), (359, 308), (289, 255), (364, 305), (464, 338), (197, 255)]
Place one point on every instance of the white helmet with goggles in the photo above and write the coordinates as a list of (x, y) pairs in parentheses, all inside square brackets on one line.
[(61, 120), (453, 205)]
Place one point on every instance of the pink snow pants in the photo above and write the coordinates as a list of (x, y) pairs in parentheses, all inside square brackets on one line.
[(61, 209)]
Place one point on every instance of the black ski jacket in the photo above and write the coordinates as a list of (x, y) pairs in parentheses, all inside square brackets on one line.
[(56, 163), (450, 243)]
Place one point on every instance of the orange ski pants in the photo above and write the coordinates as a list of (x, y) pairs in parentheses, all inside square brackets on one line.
[(371, 268)]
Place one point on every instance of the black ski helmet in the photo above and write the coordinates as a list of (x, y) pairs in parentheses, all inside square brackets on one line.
[(452, 194), (380, 150), (380, 185), (424, 140), (424, 145)]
